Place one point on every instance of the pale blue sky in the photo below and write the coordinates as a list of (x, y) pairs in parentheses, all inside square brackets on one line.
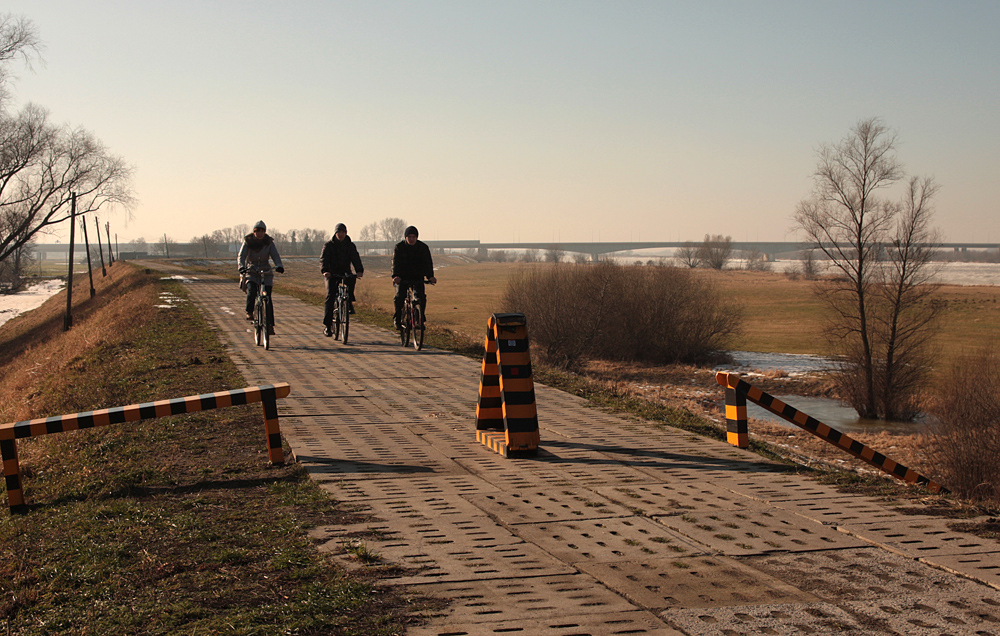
[(528, 121)]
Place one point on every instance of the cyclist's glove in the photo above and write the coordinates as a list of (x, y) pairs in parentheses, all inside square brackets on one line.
[(243, 270), (280, 270)]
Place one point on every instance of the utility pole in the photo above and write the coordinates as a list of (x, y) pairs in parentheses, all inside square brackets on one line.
[(90, 266), (104, 270), (107, 232), (68, 319)]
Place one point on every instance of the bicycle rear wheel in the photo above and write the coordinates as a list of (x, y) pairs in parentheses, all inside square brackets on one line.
[(418, 328)]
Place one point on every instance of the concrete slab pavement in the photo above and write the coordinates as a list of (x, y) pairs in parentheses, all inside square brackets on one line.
[(618, 527)]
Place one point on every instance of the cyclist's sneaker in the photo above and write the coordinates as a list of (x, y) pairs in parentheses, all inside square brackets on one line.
[(350, 309), (270, 331), (395, 323), (328, 331), (249, 316)]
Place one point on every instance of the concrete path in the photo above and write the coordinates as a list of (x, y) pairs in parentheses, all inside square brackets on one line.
[(618, 527)]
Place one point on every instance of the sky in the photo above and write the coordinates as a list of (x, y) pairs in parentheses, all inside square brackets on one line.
[(517, 120)]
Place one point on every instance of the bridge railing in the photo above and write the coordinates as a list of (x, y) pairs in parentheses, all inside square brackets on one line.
[(738, 391), (267, 395)]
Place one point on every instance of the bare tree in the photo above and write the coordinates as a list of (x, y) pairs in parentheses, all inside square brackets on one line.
[(715, 251), (688, 254), (18, 39), (368, 236), (553, 255), (757, 261), (881, 250), (43, 165), (807, 263), (390, 230)]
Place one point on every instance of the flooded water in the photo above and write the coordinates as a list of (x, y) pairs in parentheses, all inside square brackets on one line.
[(12, 305), (836, 415), (831, 412)]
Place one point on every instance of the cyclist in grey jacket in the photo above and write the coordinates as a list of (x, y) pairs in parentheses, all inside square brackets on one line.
[(258, 248)]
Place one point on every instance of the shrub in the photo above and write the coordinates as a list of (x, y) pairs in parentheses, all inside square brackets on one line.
[(967, 407), (618, 312)]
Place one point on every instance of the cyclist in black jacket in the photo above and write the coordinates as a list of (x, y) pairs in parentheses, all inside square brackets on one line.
[(339, 254), (411, 263)]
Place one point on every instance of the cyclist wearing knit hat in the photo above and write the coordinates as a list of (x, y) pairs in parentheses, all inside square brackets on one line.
[(411, 264)]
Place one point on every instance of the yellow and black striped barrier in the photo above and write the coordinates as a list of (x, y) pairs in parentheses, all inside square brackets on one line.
[(506, 417), (267, 395), (738, 391)]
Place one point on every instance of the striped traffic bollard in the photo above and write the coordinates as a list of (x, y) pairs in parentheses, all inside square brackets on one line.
[(506, 415)]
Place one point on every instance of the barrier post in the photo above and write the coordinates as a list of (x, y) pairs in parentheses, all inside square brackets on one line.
[(742, 390), (506, 415), (267, 395), (737, 432)]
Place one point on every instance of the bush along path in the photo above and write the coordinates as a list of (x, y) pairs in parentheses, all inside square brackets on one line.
[(176, 525)]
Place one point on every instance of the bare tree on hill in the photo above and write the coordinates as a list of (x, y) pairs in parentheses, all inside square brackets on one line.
[(882, 318), (43, 165)]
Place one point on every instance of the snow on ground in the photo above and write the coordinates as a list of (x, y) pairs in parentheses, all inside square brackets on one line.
[(12, 305)]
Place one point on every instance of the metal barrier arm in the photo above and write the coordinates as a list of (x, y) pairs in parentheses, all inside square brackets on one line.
[(738, 391), (267, 395)]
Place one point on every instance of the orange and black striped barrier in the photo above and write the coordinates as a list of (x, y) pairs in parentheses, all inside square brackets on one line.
[(506, 417), (267, 395), (738, 391)]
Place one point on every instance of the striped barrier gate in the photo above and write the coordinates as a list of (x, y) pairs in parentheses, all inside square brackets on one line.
[(738, 391), (267, 395), (506, 417)]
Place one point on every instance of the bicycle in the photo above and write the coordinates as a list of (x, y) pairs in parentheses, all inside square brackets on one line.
[(411, 323), (342, 309), (263, 313)]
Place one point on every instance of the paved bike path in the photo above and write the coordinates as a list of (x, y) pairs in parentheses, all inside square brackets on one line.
[(616, 527)]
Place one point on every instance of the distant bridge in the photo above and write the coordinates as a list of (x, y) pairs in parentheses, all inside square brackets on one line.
[(772, 249)]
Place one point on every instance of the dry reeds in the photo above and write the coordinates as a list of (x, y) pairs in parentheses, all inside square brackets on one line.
[(968, 430)]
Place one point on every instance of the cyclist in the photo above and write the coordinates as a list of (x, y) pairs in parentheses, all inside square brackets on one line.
[(411, 263), (257, 249), (339, 254)]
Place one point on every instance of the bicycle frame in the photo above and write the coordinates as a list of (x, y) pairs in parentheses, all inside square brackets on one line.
[(342, 309), (262, 316), (412, 321)]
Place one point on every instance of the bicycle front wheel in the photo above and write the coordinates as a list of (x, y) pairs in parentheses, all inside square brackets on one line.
[(404, 328), (418, 328), (268, 324), (345, 319), (258, 324), (336, 319)]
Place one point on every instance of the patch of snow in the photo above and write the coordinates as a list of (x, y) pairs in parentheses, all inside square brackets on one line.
[(12, 305)]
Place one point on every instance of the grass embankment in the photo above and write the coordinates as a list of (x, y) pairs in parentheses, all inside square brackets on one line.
[(175, 525)]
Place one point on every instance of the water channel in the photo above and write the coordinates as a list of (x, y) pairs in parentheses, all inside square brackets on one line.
[(831, 412)]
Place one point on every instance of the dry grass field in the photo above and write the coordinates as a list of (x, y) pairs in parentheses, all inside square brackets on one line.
[(781, 315)]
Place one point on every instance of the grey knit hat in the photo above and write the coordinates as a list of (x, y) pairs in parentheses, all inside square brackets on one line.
[(260, 224)]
